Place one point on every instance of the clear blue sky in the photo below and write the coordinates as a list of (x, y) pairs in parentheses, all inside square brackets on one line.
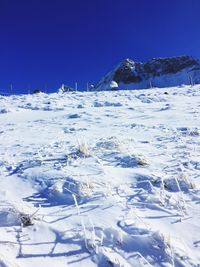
[(62, 41)]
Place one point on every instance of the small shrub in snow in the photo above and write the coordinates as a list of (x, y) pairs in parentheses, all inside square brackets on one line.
[(83, 149), (26, 219), (80, 153), (142, 161)]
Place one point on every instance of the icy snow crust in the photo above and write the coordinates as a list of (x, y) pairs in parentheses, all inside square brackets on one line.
[(104, 178)]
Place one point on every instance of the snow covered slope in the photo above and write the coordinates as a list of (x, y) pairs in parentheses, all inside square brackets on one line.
[(100, 179), (158, 72)]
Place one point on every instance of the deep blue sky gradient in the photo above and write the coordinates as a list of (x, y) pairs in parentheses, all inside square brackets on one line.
[(62, 41)]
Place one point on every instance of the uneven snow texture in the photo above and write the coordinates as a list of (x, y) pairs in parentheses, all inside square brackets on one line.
[(100, 178)]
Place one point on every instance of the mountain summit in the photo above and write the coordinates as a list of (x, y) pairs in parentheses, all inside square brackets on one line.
[(157, 72)]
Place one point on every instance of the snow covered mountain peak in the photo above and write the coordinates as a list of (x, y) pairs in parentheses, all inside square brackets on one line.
[(157, 72)]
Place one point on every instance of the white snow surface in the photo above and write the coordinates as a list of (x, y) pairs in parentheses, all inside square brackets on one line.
[(105, 178)]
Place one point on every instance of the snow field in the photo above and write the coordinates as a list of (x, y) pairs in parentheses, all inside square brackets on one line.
[(103, 178)]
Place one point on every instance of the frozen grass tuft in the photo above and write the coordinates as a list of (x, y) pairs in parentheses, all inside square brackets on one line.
[(83, 148), (186, 181), (87, 187)]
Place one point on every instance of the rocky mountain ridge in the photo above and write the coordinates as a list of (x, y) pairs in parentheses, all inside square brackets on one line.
[(157, 72)]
